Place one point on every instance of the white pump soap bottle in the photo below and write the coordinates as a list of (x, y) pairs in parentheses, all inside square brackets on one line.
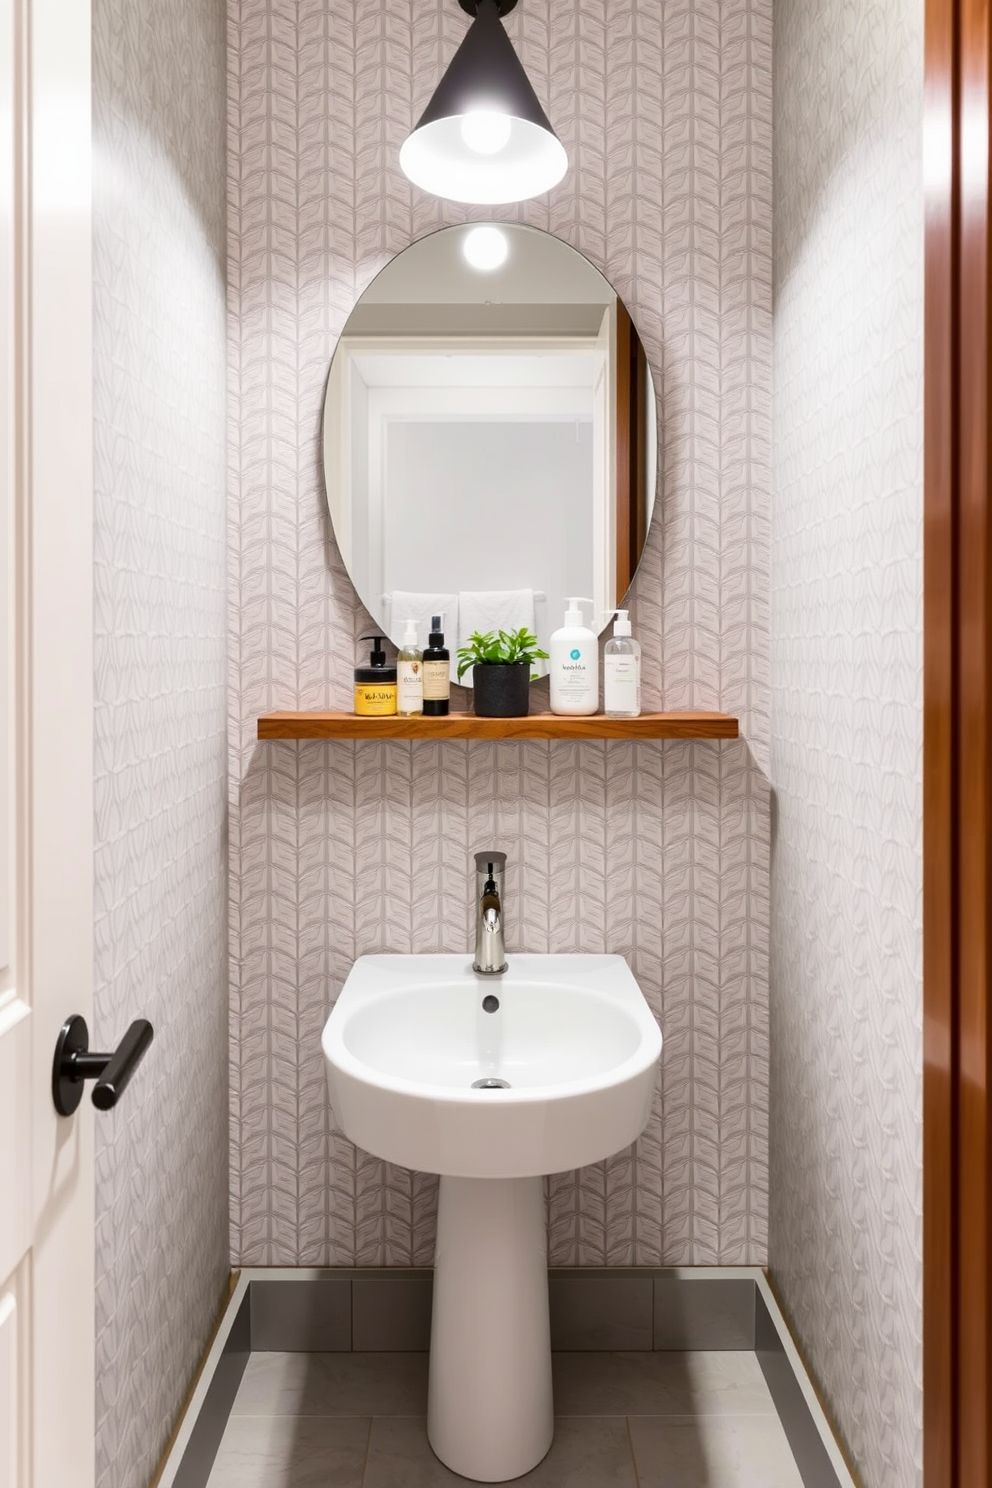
[(574, 665), (622, 672)]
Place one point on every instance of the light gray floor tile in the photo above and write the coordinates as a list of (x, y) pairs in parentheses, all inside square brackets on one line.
[(586, 1453), (659, 1384), (712, 1452), (288, 1452), (333, 1385)]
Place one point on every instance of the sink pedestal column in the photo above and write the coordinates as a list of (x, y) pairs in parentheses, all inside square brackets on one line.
[(490, 1413)]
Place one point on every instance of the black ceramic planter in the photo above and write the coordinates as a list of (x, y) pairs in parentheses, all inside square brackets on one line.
[(501, 691)]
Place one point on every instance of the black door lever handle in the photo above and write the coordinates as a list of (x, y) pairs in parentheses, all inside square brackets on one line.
[(74, 1064)]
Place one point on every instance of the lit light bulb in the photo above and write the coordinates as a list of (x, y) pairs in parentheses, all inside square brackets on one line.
[(486, 248), (485, 131)]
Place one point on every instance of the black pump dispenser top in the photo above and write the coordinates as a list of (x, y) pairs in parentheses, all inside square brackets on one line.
[(378, 670), (436, 637), (377, 656)]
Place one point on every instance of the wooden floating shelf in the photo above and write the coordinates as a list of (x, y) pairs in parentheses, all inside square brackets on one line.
[(467, 726)]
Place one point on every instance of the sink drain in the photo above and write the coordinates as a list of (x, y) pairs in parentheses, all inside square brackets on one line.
[(490, 1084)]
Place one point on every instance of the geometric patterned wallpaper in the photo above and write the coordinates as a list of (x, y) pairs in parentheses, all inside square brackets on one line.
[(657, 851), (846, 661), (160, 720)]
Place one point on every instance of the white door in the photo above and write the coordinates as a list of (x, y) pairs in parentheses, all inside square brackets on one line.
[(46, 730)]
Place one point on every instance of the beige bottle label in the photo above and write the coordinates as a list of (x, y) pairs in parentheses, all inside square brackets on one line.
[(410, 683), (437, 681)]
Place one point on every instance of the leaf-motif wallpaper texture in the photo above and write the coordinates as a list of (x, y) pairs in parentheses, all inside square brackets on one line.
[(160, 723), (658, 851), (847, 523)]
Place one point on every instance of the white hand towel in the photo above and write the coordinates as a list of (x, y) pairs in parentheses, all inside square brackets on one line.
[(493, 609), (405, 606), (540, 628)]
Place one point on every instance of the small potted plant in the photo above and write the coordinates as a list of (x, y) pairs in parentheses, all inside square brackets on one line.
[(501, 671)]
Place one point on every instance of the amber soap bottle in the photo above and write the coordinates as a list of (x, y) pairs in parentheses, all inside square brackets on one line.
[(437, 673)]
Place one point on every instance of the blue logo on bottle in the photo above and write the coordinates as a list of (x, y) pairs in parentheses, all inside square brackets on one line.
[(575, 655)]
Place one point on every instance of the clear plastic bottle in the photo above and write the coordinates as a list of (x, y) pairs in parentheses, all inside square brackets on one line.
[(622, 672), (410, 674)]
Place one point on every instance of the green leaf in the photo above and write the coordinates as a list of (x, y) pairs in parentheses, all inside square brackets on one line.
[(507, 648)]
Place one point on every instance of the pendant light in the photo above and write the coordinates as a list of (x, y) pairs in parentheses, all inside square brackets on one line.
[(484, 137)]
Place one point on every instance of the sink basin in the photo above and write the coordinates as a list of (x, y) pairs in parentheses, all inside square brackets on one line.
[(572, 1041), (491, 1081)]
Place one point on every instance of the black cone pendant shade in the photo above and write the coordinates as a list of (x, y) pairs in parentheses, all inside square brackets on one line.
[(484, 136)]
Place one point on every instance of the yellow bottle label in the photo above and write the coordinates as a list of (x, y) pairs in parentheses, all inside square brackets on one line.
[(375, 699)]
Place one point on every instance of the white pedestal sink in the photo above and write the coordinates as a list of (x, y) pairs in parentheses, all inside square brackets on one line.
[(577, 1047)]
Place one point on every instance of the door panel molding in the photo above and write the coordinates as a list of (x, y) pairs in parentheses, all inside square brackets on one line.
[(47, 1234)]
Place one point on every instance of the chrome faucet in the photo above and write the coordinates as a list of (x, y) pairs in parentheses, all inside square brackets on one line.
[(490, 951)]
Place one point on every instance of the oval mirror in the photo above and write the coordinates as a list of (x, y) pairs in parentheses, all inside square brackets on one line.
[(490, 439)]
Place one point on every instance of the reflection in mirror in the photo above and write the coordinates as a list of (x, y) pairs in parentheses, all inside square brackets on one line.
[(490, 444)]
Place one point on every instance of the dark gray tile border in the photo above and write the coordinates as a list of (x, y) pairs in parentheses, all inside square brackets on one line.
[(712, 1313), (600, 1312), (305, 1316), (623, 1311), (383, 1311), (805, 1440), (391, 1314), (211, 1419)]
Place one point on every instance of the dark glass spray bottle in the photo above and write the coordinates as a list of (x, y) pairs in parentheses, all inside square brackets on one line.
[(437, 672)]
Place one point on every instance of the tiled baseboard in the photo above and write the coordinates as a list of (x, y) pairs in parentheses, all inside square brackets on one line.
[(685, 1309), (194, 1445), (819, 1459), (386, 1311)]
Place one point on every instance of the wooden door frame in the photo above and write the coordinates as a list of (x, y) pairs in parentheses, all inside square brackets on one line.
[(957, 807), (632, 413)]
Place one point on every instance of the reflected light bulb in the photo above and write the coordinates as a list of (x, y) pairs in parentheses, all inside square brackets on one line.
[(486, 248), (485, 131)]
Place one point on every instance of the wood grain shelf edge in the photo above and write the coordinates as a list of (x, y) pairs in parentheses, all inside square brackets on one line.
[(686, 725)]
